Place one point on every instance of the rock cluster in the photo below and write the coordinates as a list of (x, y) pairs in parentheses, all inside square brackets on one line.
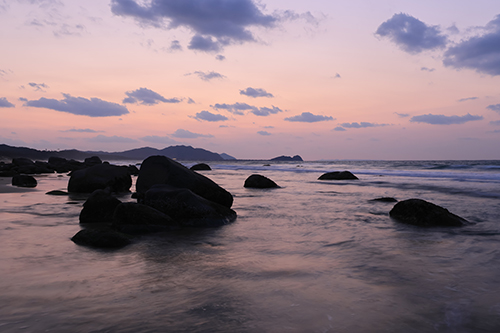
[(169, 197)]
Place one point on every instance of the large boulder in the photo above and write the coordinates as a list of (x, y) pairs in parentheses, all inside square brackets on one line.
[(425, 214), (101, 238), (133, 218), (188, 208), (163, 170), (101, 176), (24, 181), (91, 161), (99, 208), (338, 175), (259, 181)]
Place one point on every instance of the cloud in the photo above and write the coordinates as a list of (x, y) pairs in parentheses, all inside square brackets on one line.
[(495, 123), (425, 69), (264, 112), (93, 107), (252, 92), (467, 99), (437, 119), (308, 117), (362, 124), (175, 46), (402, 115), (481, 53), (191, 101), (38, 86), (339, 129), (208, 116), (4, 103), (158, 139), (214, 23), (82, 130), (336, 76), (146, 96), (412, 35), (236, 108), (208, 75), (185, 134), (111, 139), (220, 57), (495, 107), (264, 133)]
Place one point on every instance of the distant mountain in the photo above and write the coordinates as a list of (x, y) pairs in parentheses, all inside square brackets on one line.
[(186, 153), (227, 157), (288, 158)]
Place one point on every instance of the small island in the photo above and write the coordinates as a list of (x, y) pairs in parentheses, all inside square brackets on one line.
[(295, 158)]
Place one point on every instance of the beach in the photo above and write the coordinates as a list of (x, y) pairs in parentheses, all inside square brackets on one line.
[(309, 256)]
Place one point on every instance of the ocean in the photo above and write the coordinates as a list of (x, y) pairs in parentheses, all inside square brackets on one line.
[(310, 256)]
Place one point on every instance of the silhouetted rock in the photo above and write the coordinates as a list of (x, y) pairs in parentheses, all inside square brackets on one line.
[(91, 161), (259, 181), (133, 218), (200, 167), (57, 192), (100, 176), (425, 214), (133, 170), (162, 170), (99, 208), (384, 199), (188, 208), (101, 238), (288, 158), (338, 175), (24, 181)]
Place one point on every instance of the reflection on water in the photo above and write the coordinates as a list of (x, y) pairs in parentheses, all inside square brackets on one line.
[(308, 257)]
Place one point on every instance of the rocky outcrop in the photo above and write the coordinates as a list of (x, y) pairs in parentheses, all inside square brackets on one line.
[(188, 208), (425, 214), (101, 176), (135, 218), (259, 181), (284, 158), (200, 167), (165, 171), (101, 238), (338, 175), (99, 208), (24, 181)]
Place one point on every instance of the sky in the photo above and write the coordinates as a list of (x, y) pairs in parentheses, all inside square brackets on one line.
[(256, 79)]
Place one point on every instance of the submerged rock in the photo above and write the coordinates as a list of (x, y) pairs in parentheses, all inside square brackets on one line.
[(384, 199), (57, 192), (101, 238), (259, 181), (188, 208), (100, 176), (133, 218), (425, 214), (201, 167), (24, 181), (99, 208), (163, 170), (338, 175)]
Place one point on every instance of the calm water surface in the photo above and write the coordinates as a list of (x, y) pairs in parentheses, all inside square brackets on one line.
[(311, 256)]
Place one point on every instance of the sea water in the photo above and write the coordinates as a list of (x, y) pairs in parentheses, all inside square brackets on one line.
[(310, 256)]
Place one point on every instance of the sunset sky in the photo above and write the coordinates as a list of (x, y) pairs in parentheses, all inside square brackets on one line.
[(324, 79)]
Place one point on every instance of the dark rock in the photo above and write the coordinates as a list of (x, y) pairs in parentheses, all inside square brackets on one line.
[(101, 238), (99, 208), (188, 208), (9, 173), (22, 162), (259, 181), (163, 170), (100, 176), (133, 170), (338, 175), (425, 214), (287, 158), (24, 181), (384, 199), (57, 192), (200, 167), (132, 218), (91, 161)]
